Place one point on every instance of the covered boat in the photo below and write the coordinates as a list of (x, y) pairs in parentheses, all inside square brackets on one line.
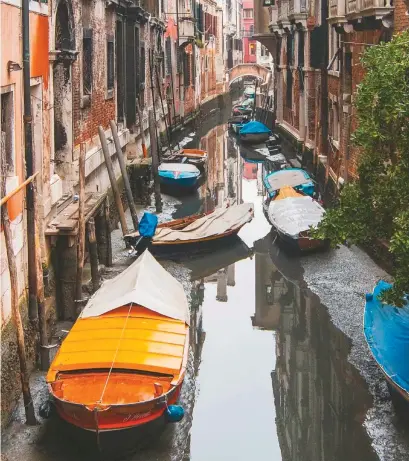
[(198, 234), (254, 132), (196, 157), (294, 177), (292, 214), (180, 175), (386, 330), (250, 92), (123, 363)]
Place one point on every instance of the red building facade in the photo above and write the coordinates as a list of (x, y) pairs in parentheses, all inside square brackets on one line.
[(249, 45)]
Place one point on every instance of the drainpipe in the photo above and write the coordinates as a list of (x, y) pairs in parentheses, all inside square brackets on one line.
[(28, 151)]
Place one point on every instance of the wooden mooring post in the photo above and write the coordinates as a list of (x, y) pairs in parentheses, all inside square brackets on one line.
[(81, 224), (15, 312), (93, 254), (127, 184), (155, 161), (138, 109), (112, 179)]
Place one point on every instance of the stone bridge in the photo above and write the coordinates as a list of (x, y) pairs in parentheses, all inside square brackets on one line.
[(249, 70)]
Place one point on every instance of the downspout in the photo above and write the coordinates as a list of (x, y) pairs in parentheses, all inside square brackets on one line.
[(28, 154)]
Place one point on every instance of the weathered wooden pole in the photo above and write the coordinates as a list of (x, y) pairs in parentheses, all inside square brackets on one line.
[(138, 108), (114, 185), (42, 315), (81, 224), (127, 184), (21, 349), (155, 161), (93, 254)]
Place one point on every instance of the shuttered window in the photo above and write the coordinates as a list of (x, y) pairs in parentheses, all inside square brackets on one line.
[(110, 63), (168, 50), (87, 58)]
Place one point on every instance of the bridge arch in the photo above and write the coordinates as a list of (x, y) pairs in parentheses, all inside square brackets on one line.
[(249, 70)]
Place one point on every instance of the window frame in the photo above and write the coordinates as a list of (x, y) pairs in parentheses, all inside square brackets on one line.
[(9, 93)]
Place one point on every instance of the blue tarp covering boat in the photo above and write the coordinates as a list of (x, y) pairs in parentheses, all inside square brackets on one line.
[(294, 177), (254, 132), (181, 175), (386, 330), (255, 127)]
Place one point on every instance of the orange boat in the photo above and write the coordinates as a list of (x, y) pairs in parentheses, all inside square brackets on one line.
[(123, 363)]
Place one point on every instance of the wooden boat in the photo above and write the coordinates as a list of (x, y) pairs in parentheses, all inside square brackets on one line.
[(291, 213), (386, 330), (254, 133), (295, 177), (123, 363), (196, 157), (179, 175), (197, 234)]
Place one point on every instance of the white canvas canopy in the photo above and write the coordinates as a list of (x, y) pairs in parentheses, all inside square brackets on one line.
[(179, 167), (295, 214), (220, 221), (288, 177), (146, 283)]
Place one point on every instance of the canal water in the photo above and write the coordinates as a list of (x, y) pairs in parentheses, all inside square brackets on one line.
[(268, 376)]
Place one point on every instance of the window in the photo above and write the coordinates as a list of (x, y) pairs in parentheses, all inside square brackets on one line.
[(110, 65), (290, 50), (289, 94), (300, 48), (252, 48), (87, 62), (7, 130), (187, 68), (251, 30), (334, 45), (168, 50), (334, 122), (248, 13)]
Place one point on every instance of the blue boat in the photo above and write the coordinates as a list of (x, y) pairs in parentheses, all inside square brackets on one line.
[(297, 178), (254, 132), (179, 175), (386, 330)]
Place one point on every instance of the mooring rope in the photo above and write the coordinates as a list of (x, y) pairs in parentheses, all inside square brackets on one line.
[(116, 353)]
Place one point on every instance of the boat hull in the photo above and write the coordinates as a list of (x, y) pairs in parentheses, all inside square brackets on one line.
[(179, 182), (254, 138), (302, 244), (191, 246), (116, 417)]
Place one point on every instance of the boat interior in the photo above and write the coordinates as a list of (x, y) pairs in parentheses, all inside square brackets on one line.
[(145, 350)]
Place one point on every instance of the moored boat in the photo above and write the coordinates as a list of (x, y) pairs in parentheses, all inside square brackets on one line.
[(254, 132), (386, 330), (196, 157), (123, 363), (199, 234), (294, 177), (292, 213), (180, 175)]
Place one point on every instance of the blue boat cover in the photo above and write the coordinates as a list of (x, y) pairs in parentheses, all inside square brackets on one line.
[(254, 127), (386, 330), (147, 225)]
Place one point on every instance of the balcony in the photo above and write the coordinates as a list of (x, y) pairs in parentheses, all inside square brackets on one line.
[(337, 9), (297, 11), (356, 9), (283, 12), (186, 30)]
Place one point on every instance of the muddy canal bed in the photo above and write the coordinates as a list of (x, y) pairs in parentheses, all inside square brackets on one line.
[(278, 368)]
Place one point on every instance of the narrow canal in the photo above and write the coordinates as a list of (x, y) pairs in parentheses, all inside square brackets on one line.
[(269, 375)]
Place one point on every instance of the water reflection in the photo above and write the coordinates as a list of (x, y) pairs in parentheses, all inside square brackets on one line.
[(320, 398)]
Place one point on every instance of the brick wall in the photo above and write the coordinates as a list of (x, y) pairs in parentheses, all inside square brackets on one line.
[(361, 37), (401, 19), (100, 110)]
